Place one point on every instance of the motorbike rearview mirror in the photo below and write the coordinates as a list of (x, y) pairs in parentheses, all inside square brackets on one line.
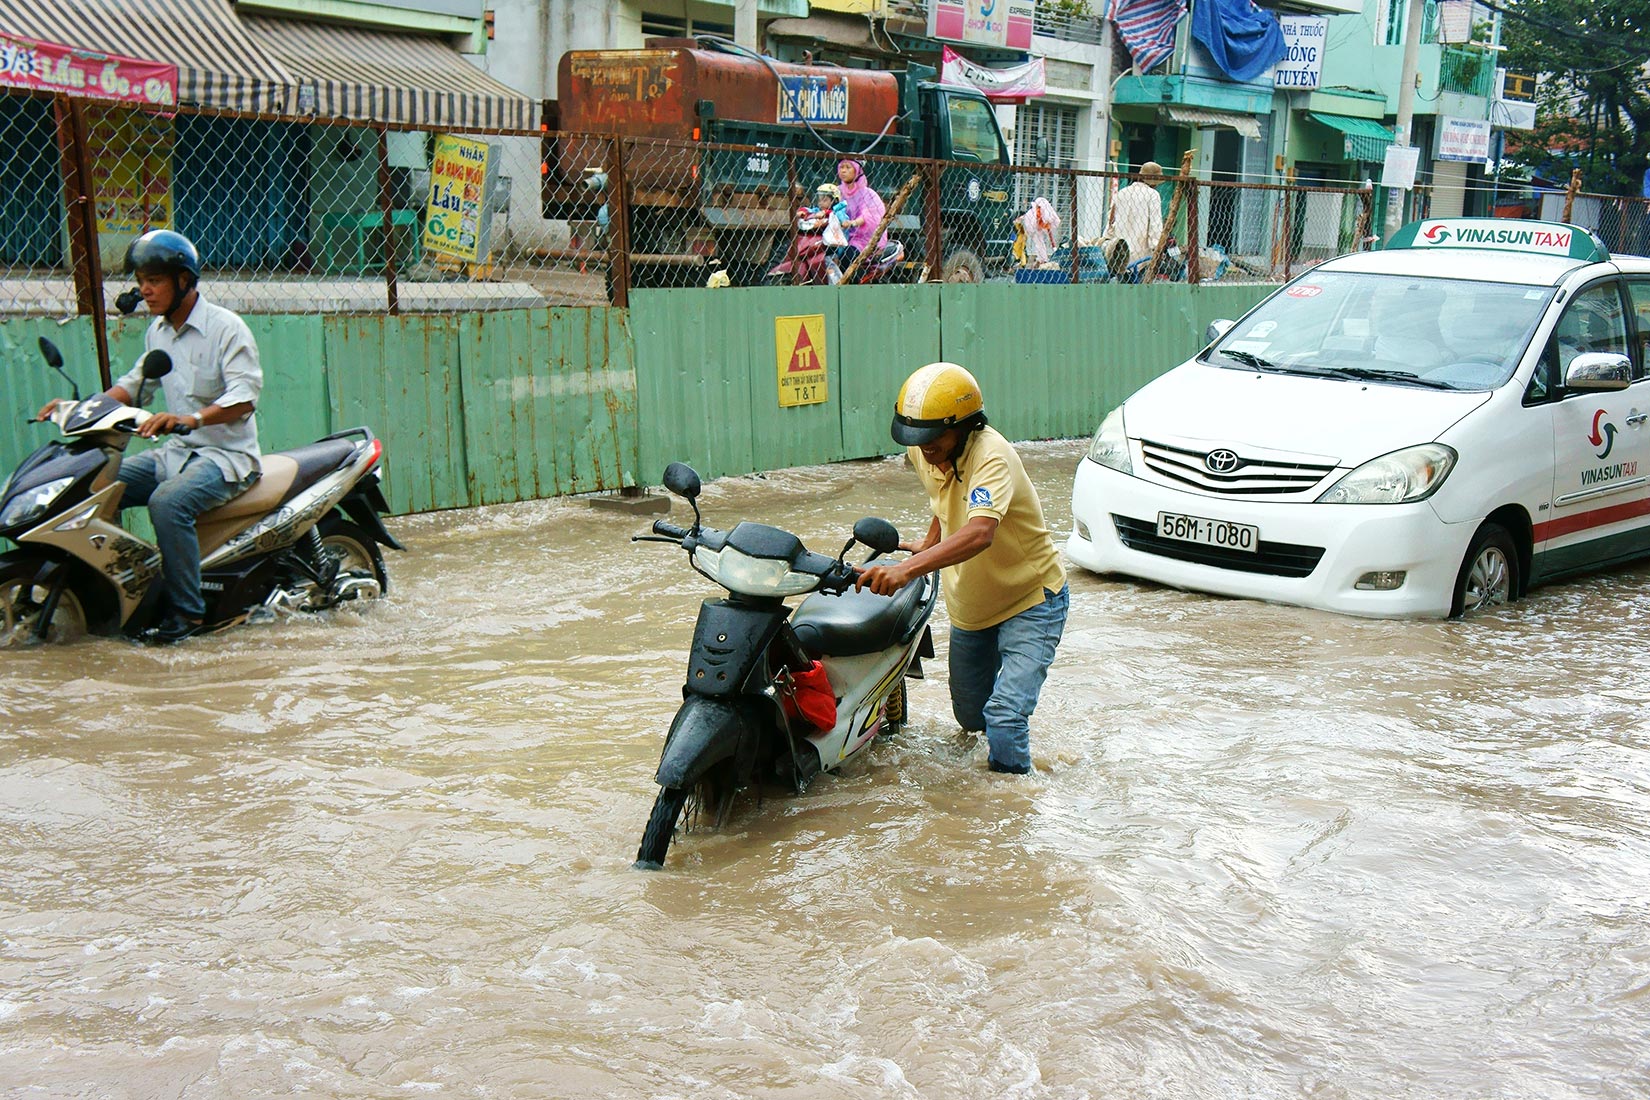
[(681, 479), (878, 534), (54, 360), (156, 364)]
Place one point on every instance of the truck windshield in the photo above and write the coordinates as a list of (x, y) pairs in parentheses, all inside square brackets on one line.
[(974, 133), (1402, 330)]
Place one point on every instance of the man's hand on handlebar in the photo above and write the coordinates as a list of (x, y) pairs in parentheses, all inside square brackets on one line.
[(161, 423), (48, 408), (885, 578)]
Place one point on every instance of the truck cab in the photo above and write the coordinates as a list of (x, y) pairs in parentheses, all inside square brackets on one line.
[(721, 144)]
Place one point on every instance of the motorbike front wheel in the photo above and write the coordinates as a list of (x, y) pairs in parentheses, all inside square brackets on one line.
[(22, 600), (661, 826)]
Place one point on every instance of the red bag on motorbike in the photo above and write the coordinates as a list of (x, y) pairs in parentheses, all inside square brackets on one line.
[(811, 697)]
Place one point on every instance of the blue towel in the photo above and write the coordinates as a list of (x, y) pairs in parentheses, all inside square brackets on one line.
[(1243, 40)]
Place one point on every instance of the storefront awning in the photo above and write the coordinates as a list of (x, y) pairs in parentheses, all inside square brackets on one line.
[(219, 63), (1366, 139), (1203, 118), (381, 76)]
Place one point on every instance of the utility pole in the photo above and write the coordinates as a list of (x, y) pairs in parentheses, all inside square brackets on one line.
[(1413, 17), (744, 23)]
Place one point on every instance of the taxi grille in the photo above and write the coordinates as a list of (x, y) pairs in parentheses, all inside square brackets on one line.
[(1277, 559), (1247, 477)]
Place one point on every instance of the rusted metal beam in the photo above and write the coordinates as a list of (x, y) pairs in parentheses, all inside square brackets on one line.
[(75, 156), (386, 208)]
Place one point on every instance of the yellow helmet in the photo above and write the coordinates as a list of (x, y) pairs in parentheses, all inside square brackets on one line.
[(934, 399)]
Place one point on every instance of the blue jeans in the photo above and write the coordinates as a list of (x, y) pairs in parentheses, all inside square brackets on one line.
[(997, 674), (173, 505)]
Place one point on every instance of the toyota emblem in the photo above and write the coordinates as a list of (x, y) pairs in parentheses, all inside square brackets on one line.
[(1222, 461)]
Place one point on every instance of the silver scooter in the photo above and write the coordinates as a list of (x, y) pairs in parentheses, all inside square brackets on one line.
[(305, 537)]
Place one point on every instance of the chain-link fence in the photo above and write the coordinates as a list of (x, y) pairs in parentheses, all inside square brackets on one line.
[(300, 215)]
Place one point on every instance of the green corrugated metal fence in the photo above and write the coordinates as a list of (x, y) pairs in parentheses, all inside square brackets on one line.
[(491, 407)]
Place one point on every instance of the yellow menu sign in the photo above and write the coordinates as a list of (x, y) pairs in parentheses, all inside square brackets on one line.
[(800, 346), (455, 222)]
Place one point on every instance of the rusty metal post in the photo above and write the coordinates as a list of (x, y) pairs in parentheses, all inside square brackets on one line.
[(386, 210), (618, 225), (888, 215), (1571, 192), (1366, 212), (1289, 225), (1076, 249), (1175, 200), (75, 158), (1190, 255), (933, 237)]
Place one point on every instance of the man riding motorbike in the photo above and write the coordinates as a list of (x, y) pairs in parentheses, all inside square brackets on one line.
[(211, 393)]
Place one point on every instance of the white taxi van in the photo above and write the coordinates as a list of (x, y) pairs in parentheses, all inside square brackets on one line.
[(1425, 430)]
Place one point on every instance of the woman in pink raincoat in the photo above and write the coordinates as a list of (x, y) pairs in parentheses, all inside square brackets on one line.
[(864, 210)]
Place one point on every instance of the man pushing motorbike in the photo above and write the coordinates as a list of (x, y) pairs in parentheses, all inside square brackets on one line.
[(211, 392), (1005, 589)]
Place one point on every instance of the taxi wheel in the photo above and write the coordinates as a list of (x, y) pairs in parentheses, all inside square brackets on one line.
[(1489, 572)]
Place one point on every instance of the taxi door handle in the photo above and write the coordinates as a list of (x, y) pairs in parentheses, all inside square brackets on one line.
[(1638, 418)]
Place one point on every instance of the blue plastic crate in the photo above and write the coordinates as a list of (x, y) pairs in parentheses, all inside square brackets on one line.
[(1034, 275)]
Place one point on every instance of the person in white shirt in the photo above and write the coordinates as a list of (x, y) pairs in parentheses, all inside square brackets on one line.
[(1137, 212), (211, 392)]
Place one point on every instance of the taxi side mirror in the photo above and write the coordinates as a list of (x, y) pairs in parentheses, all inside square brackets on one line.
[(1217, 328), (1598, 371)]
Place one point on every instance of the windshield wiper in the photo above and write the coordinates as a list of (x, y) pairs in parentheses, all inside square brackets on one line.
[(1402, 377), (1250, 360)]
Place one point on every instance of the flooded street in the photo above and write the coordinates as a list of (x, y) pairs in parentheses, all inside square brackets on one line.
[(1267, 852)]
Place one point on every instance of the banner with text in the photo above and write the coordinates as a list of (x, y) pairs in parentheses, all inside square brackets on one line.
[(51, 67), (1012, 85), (1466, 139)]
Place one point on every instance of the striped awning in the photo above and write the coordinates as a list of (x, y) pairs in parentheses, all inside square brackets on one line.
[(219, 63), (1366, 139), (383, 76)]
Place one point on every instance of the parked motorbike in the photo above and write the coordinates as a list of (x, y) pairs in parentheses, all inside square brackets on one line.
[(772, 695), (305, 537)]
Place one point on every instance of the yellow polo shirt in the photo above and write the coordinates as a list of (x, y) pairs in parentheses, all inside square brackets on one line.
[(1010, 575)]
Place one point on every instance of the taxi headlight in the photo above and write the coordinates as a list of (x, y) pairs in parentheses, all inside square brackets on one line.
[(751, 576), (28, 505), (1110, 445), (1411, 474)]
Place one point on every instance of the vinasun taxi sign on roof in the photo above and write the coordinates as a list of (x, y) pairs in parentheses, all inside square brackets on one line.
[(1543, 238)]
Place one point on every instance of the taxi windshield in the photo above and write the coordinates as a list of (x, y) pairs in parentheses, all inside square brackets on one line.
[(1448, 334)]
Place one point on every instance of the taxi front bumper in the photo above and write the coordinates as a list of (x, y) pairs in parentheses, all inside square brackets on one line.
[(1312, 555)]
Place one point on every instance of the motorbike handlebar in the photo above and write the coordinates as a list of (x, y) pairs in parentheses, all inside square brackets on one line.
[(665, 527)]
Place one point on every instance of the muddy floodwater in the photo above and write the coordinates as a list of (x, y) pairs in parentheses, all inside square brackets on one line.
[(1266, 852)]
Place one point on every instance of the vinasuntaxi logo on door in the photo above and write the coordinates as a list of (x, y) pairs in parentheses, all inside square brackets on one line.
[(1605, 434)]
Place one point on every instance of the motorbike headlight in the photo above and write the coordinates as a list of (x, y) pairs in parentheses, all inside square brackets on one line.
[(30, 504), (1411, 474), (752, 576), (1110, 445)]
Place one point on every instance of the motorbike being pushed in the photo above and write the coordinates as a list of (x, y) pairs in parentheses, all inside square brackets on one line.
[(772, 695), (305, 537)]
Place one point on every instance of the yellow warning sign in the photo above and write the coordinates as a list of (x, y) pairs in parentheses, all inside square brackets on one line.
[(800, 345)]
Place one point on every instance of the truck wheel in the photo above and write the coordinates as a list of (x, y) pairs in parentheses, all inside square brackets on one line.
[(962, 266)]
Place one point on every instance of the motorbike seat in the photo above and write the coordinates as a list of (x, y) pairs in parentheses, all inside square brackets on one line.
[(285, 475), (856, 622)]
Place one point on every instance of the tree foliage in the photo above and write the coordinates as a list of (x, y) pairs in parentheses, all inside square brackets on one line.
[(1594, 110)]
